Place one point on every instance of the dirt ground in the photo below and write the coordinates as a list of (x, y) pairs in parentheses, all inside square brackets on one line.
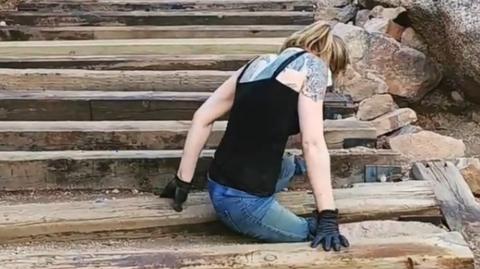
[(438, 112)]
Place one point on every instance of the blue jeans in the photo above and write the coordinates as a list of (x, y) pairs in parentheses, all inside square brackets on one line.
[(262, 218)]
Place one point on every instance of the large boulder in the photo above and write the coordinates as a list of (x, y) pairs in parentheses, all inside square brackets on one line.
[(360, 86), (330, 9), (426, 145), (375, 106), (451, 29), (408, 73)]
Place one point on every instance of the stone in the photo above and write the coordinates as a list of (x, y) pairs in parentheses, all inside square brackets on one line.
[(362, 17), (426, 145), (411, 39), (328, 9), (394, 120), (451, 29), (470, 169), (409, 129), (476, 116), (375, 106), (457, 97), (395, 30), (356, 39), (386, 13), (408, 73), (378, 25), (359, 86), (347, 13)]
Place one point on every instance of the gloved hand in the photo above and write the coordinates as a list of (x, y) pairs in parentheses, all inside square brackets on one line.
[(177, 190), (328, 233)]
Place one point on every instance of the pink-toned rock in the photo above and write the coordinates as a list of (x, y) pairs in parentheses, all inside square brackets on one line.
[(411, 39), (408, 73), (361, 86), (426, 145), (377, 25), (356, 39), (362, 17), (375, 106), (394, 120)]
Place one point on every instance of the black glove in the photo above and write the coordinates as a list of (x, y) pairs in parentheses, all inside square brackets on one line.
[(177, 190), (328, 233)]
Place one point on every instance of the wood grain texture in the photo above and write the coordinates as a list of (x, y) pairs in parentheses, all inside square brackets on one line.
[(27, 33), (140, 135), (440, 251), (220, 62), (459, 207), (125, 105), (374, 202), (166, 5), (145, 170), (122, 47), (130, 18)]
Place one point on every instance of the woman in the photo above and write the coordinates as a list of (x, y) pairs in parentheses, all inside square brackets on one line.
[(269, 99)]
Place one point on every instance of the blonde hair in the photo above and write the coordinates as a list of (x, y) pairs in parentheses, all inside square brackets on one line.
[(318, 39)]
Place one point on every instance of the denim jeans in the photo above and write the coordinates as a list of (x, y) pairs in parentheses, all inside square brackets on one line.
[(262, 218)]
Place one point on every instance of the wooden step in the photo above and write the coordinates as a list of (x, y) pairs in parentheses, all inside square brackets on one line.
[(146, 170), (220, 62), (148, 135), (125, 105), (140, 216), (439, 251), (130, 18), (128, 47), (165, 5), (26, 33)]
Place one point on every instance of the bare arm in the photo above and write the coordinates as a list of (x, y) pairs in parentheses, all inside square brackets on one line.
[(310, 111), (219, 103)]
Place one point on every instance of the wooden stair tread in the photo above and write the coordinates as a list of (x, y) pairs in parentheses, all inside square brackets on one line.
[(129, 18), (147, 169), (152, 5), (217, 62), (151, 135), (441, 251), (121, 105), (165, 46), (24, 33), (376, 201)]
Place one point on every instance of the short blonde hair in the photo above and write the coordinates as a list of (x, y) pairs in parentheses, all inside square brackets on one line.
[(318, 39)]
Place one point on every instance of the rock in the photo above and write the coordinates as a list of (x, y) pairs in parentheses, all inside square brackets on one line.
[(362, 17), (476, 116), (375, 106), (376, 25), (394, 120), (411, 39), (457, 97), (115, 191), (356, 38), (386, 13), (470, 169), (409, 129), (408, 73), (347, 13), (328, 9), (359, 86), (451, 30), (426, 145), (395, 30)]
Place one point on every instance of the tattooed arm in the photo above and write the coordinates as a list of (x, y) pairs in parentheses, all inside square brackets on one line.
[(310, 111)]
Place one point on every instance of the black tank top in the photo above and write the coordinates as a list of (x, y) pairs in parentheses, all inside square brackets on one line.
[(264, 114)]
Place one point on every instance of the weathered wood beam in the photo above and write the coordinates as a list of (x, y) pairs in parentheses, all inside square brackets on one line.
[(145, 170), (122, 47), (130, 18), (439, 251), (125, 105), (142, 135), (26, 33), (220, 62), (374, 202), (459, 206), (166, 5)]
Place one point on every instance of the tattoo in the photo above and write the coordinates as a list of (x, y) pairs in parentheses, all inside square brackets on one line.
[(315, 69)]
